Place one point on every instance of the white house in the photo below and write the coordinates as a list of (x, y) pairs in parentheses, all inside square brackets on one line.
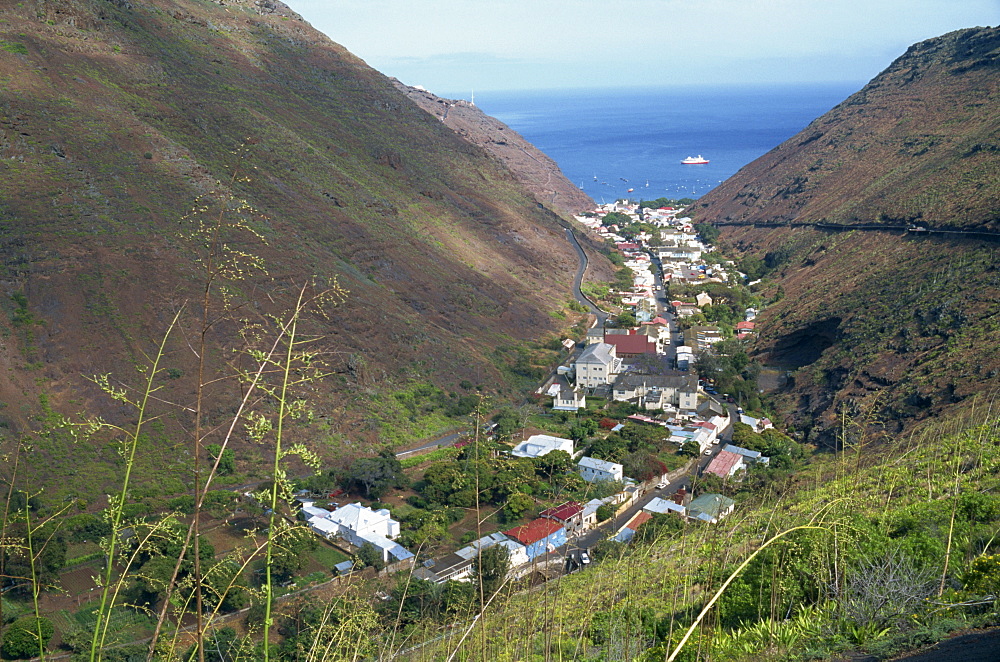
[(357, 525), (598, 364), (703, 435), (593, 470), (685, 357), (567, 397), (516, 552), (679, 390), (538, 445), (657, 505)]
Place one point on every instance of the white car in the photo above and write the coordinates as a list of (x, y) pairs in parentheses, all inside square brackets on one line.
[(660, 486), (708, 452)]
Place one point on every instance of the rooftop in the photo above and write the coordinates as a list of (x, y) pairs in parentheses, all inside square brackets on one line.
[(534, 530), (563, 512), (722, 465), (600, 352)]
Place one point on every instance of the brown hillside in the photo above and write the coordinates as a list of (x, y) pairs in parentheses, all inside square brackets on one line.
[(116, 116), (886, 327), (539, 173), (919, 144)]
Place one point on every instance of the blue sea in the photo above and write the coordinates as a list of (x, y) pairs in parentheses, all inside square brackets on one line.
[(607, 141)]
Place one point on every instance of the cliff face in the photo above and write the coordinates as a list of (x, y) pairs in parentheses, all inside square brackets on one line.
[(882, 327), (536, 171), (118, 119), (918, 144)]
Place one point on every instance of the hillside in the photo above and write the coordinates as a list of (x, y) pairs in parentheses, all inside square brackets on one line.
[(886, 327), (918, 144), (539, 173), (120, 119), (854, 554)]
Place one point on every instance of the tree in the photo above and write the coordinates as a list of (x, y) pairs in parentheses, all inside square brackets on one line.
[(708, 232), (582, 429), (553, 462), (375, 475), (490, 570), (615, 218), (605, 512), (690, 448), (221, 645), (369, 556), (517, 505), (507, 423), (227, 463), (643, 465), (21, 640), (625, 319)]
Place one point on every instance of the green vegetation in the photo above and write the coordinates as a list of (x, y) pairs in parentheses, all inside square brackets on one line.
[(376, 475), (709, 233), (847, 554), (14, 47), (666, 202)]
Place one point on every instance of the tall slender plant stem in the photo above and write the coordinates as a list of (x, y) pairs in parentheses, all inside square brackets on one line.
[(117, 505), (289, 331)]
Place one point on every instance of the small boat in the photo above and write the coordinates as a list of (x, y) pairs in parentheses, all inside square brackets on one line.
[(695, 160)]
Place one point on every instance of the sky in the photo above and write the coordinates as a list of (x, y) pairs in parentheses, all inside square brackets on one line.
[(452, 47)]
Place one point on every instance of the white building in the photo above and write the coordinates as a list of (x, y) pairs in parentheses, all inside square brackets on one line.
[(516, 552), (598, 364), (685, 357), (593, 470), (678, 390), (657, 505), (357, 525), (538, 445), (566, 397)]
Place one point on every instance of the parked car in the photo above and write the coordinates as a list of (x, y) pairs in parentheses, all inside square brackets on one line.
[(708, 452), (584, 557), (660, 485)]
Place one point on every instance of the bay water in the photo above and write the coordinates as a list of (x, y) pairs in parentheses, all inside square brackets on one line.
[(609, 141)]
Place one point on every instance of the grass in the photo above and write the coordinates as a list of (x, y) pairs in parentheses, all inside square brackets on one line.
[(861, 504), (14, 47)]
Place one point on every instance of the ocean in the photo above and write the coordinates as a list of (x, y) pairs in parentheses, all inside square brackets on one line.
[(608, 141)]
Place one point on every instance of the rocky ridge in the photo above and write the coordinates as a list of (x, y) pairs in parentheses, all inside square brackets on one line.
[(536, 171)]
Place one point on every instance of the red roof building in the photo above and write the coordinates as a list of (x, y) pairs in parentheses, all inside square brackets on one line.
[(640, 518), (533, 531), (563, 512), (725, 464), (630, 346)]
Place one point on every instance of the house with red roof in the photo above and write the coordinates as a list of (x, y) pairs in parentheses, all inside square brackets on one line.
[(725, 464), (744, 329), (627, 532), (569, 514), (631, 346), (539, 536)]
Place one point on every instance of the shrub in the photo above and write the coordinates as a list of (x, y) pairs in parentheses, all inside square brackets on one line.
[(21, 641)]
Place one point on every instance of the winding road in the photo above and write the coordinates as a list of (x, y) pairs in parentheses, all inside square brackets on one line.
[(602, 316)]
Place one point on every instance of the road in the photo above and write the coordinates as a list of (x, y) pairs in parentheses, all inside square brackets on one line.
[(446, 440), (602, 317)]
